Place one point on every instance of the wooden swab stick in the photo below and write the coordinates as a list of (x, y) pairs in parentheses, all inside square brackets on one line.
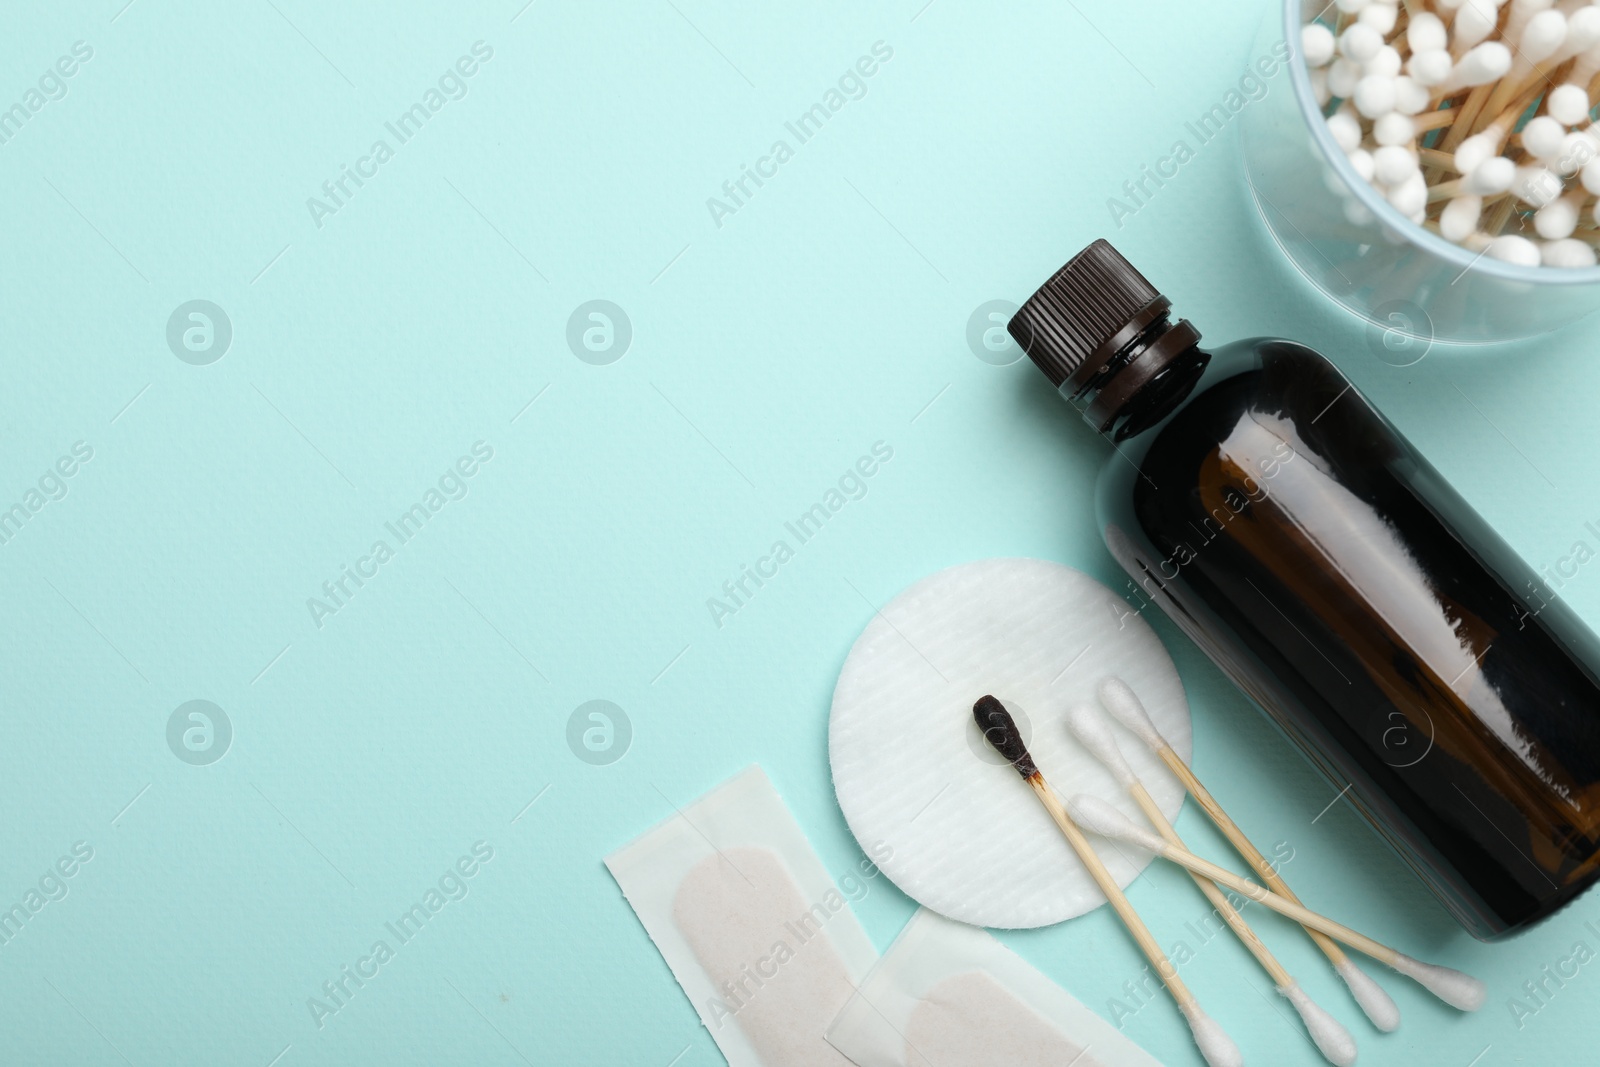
[(1434, 158), (1537, 54), (1432, 120), (1125, 707), (1001, 731), (1469, 111), (1331, 1038), (1451, 986)]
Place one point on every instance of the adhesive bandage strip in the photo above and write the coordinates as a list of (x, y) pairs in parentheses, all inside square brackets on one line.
[(759, 936), (949, 995)]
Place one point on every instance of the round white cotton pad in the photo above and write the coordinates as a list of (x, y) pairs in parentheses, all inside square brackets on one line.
[(958, 830)]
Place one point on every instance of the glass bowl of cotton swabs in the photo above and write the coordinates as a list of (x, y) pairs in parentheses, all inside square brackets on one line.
[(1432, 165)]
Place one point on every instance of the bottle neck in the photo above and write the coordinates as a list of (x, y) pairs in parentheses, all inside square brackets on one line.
[(1135, 379)]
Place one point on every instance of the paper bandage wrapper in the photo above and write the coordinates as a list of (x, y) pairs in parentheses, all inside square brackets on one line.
[(755, 931), (949, 995)]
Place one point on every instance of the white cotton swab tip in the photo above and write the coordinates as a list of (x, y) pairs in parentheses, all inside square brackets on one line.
[(1491, 177), (1536, 186), (1542, 137), (1374, 95), (1380, 17), (1459, 219), (1101, 817), (1211, 1039), (1346, 130), (1316, 44), (1393, 164), (1342, 76), (1430, 66), (1410, 96), (1360, 42), (1577, 148), (1356, 213), (1473, 23), (1568, 104), (1557, 219), (1089, 726), (1387, 62), (1476, 149), (1394, 128), (1513, 249), (1330, 1037), (1124, 706), (1425, 32), (1544, 34), (1487, 62), (1521, 12), (1375, 1002), (1453, 987), (1583, 31), (1411, 195), (1361, 160), (1567, 252), (1319, 86)]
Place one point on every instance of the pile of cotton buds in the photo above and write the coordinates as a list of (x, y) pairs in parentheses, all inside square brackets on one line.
[(1471, 117)]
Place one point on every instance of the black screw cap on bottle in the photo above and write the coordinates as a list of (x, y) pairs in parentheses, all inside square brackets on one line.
[(1100, 332), (1068, 327)]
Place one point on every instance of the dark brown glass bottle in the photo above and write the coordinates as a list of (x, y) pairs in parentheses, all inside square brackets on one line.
[(1339, 580)]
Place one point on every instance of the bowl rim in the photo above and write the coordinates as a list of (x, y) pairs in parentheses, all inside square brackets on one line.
[(1372, 200)]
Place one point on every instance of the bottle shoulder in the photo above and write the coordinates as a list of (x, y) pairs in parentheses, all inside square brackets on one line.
[(1281, 358), (1261, 375)]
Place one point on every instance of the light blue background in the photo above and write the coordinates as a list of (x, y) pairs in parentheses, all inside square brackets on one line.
[(768, 354)]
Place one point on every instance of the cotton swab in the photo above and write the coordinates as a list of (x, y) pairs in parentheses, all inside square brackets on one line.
[(1473, 73), (1360, 42), (1001, 732), (1380, 17), (1558, 218), (1425, 32), (1514, 249), (1541, 40), (1567, 252), (1410, 95), (1489, 178), (1317, 44), (1479, 69), (1386, 63), (1542, 137), (1473, 22), (1523, 12), (1125, 707), (1486, 63), (1331, 1038), (1451, 986), (1459, 219)]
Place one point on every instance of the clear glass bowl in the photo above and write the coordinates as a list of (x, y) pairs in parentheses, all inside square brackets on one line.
[(1353, 245)]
